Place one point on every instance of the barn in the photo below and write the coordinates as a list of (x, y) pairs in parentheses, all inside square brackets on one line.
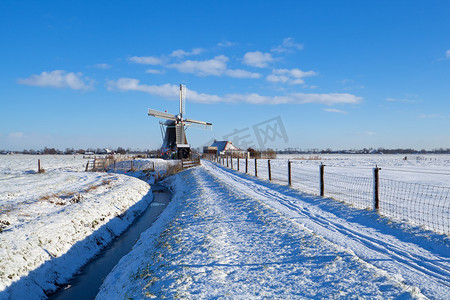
[(224, 148)]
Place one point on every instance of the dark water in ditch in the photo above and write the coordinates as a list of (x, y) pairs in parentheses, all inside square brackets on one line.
[(86, 284)]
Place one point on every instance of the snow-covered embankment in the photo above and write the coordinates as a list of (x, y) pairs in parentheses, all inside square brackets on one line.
[(54, 222)]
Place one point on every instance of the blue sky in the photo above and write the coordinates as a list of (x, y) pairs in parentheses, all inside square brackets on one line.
[(333, 74)]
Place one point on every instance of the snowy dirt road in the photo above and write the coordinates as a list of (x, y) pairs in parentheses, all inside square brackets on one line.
[(422, 261), (229, 235)]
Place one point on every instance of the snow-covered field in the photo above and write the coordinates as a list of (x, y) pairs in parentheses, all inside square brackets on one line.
[(230, 235), (424, 169), (415, 189), (225, 234), (51, 223)]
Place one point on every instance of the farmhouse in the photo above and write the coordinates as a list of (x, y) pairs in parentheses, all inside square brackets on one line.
[(224, 148)]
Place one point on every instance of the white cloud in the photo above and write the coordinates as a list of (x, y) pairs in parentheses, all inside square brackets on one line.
[(168, 91), (130, 84), (242, 74), (293, 76), (334, 110), (399, 100), (59, 79), (288, 44), (181, 53), (327, 99), (216, 66), (103, 66), (212, 67), (258, 59), (447, 54), (226, 44), (146, 60), (153, 71), (171, 92)]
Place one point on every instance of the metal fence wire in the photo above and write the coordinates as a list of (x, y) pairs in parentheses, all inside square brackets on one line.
[(304, 179), (357, 191), (419, 204), (424, 205)]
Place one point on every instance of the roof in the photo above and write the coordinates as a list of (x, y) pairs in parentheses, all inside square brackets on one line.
[(224, 146)]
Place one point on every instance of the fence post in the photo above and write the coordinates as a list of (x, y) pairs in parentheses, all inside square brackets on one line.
[(376, 195), (227, 161), (87, 166), (39, 166), (256, 168), (231, 158), (238, 163), (289, 173), (246, 165), (268, 166), (114, 165), (322, 185)]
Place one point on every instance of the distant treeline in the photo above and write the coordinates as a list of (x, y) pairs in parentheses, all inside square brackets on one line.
[(365, 151), (267, 153), (71, 151)]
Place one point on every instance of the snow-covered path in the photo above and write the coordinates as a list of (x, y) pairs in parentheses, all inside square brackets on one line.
[(423, 262), (229, 235)]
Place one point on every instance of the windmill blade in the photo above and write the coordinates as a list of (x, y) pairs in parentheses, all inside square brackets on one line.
[(182, 99), (160, 114), (179, 134), (198, 122)]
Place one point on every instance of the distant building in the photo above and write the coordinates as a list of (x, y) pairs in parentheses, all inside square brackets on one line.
[(224, 148)]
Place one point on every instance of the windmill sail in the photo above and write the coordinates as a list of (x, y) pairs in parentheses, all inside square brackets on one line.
[(160, 114), (179, 134), (182, 99), (174, 140), (206, 124)]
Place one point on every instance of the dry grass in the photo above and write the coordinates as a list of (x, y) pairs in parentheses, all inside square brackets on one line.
[(64, 198), (174, 169), (316, 157)]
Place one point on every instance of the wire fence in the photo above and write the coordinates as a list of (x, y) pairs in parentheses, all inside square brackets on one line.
[(419, 204)]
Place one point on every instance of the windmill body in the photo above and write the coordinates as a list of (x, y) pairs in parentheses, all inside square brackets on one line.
[(174, 141)]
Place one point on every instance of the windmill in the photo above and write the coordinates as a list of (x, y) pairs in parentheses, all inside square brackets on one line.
[(174, 135)]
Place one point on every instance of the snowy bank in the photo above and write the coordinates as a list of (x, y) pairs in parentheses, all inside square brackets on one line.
[(52, 223), (216, 241)]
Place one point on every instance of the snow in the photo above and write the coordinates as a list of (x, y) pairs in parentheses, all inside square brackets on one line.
[(52, 223), (415, 190), (227, 234)]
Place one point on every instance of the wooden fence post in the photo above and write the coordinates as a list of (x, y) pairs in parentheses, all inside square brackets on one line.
[(289, 173), (322, 184), (238, 163), (268, 167), (39, 166), (231, 157), (227, 161), (246, 165), (376, 182), (256, 168)]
